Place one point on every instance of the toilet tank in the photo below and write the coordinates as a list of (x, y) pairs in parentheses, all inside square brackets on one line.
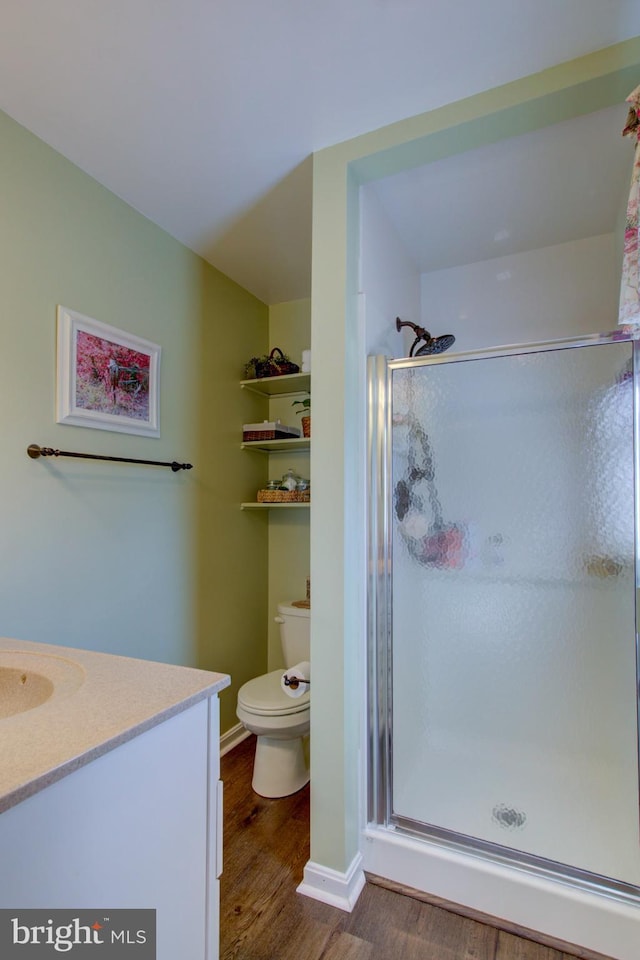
[(294, 633)]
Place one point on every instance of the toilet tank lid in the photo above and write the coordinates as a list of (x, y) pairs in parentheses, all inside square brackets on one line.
[(286, 609)]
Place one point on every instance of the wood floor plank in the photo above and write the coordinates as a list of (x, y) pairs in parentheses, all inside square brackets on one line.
[(343, 946), (454, 937), (283, 941), (511, 947), (404, 923), (257, 906), (377, 918)]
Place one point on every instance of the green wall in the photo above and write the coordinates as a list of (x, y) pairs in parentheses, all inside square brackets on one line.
[(338, 522), (125, 559), (289, 329)]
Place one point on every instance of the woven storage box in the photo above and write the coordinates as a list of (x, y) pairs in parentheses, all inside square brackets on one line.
[(284, 496), (269, 430)]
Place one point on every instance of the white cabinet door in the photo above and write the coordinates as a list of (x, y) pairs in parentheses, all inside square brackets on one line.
[(137, 827)]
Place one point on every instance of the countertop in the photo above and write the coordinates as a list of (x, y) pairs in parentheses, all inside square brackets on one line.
[(117, 699)]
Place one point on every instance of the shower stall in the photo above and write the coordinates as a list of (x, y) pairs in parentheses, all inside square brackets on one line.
[(503, 668)]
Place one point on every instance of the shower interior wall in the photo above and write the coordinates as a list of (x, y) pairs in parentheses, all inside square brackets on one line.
[(565, 290)]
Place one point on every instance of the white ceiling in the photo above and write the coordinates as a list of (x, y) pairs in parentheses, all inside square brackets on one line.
[(202, 114)]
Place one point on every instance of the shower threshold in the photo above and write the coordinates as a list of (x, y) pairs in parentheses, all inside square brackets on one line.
[(515, 859)]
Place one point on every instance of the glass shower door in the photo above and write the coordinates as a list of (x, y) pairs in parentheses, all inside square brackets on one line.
[(511, 679)]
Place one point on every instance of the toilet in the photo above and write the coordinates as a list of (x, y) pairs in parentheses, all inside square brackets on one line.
[(280, 722)]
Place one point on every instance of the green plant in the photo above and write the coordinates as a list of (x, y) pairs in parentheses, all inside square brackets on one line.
[(305, 406)]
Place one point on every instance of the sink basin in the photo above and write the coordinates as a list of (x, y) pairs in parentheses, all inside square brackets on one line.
[(28, 680)]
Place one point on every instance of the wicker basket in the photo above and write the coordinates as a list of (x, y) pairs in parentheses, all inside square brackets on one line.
[(284, 496), (249, 436), (277, 364)]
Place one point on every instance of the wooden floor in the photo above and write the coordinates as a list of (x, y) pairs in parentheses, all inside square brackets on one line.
[(266, 845)]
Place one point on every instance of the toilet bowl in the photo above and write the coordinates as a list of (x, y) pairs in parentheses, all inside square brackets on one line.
[(280, 722)]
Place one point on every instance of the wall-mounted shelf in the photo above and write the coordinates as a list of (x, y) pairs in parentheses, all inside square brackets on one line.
[(289, 385), (275, 506), (286, 386), (278, 446)]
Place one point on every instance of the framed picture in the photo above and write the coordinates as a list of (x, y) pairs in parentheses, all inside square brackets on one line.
[(106, 378)]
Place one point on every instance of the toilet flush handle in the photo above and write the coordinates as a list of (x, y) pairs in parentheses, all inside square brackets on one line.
[(278, 619)]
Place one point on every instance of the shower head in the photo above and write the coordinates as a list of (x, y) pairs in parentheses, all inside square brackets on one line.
[(435, 345), (431, 344)]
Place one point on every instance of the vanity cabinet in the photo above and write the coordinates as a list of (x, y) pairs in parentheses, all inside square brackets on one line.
[(289, 385), (110, 797), (138, 827)]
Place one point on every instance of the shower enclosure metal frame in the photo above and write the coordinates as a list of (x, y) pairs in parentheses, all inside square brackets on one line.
[(380, 609)]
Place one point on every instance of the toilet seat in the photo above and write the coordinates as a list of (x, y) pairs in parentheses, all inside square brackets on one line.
[(263, 696)]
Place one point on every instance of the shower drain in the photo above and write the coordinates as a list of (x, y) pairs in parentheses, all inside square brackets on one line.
[(508, 817)]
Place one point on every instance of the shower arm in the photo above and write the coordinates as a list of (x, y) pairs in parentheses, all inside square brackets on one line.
[(430, 344), (420, 332)]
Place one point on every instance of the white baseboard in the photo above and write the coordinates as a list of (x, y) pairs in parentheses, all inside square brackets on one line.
[(330, 886), (232, 738)]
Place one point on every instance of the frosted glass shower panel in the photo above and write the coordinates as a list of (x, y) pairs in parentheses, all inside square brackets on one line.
[(514, 712)]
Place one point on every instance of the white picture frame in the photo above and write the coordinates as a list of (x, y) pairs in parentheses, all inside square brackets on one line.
[(107, 379)]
